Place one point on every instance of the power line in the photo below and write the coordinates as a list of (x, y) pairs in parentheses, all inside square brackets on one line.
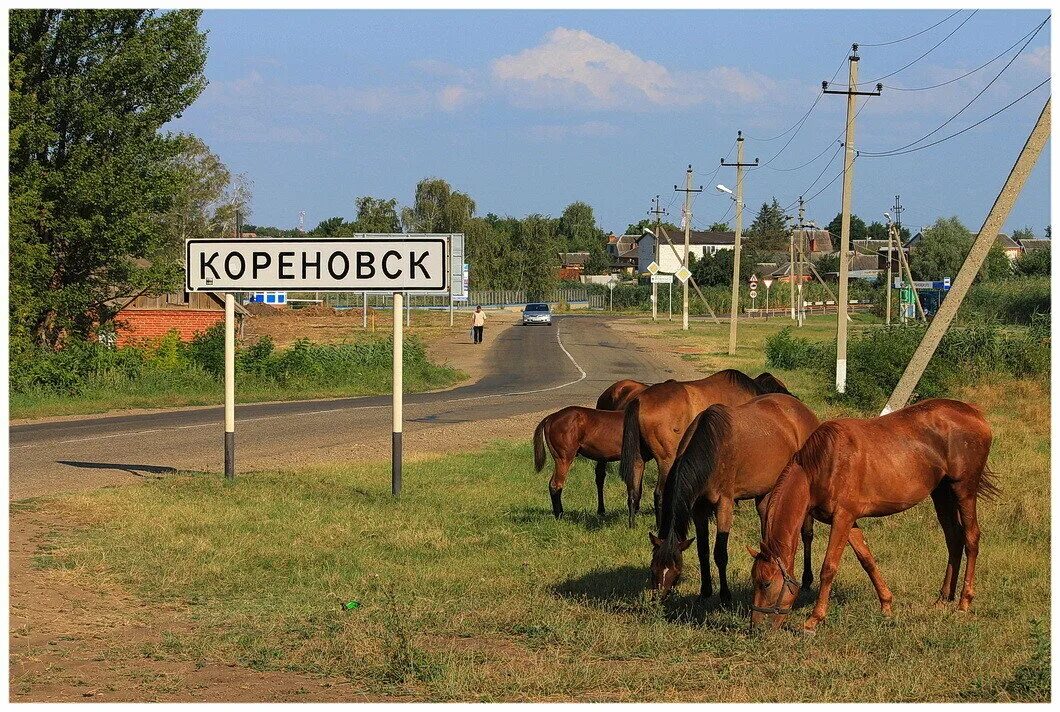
[(917, 34), (803, 118), (977, 69), (902, 69), (969, 128), (1008, 64)]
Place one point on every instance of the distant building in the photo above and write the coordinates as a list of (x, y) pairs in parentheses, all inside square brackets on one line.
[(622, 251), (149, 317), (572, 265), (671, 259), (1035, 243)]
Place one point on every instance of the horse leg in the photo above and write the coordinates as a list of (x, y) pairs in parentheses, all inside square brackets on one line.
[(555, 485), (837, 541), (970, 522), (945, 502), (721, 545), (701, 517), (807, 547), (601, 473), (633, 490), (865, 558)]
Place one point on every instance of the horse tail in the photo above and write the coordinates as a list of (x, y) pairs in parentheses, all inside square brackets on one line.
[(988, 488), (630, 441), (539, 444)]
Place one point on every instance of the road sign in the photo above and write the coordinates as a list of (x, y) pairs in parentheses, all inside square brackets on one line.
[(369, 263), (768, 282), (654, 268), (662, 279), (753, 280), (946, 283), (611, 286), (752, 294), (683, 274)]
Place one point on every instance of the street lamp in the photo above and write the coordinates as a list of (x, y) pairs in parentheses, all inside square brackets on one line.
[(723, 189)]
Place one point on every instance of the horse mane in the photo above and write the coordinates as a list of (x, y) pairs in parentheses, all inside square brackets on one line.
[(768, 383), (780, 491), (691, 470), (741, 380), (821, 441)]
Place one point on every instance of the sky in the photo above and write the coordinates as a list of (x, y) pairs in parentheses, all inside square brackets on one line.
[(528, 111)]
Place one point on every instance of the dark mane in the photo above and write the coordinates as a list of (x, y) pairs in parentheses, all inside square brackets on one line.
[(768, 383), (690, 472), (741, 380), (811, 455)]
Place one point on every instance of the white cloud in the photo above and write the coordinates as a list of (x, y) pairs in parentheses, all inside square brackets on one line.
[(558, 132), (580, 70)]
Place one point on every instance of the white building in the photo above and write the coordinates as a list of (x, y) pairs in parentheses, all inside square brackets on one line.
[(670, 260)]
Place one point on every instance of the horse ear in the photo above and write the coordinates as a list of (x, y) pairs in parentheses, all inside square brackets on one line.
[(752, 552), (655, 541), (687, 543)]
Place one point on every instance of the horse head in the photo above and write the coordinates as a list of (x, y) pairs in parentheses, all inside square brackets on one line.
[(666, 562), (774, 591)]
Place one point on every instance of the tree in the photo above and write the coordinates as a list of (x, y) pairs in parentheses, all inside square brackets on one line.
[(437, 208), (719, 227), (876, 230), (768, 231), (92, 176), (1023, 233), (638, 227), (943, 248), (379, 215), (858, 230), (332, 227), (1033, 263), (714, 270), (578, 232), (826, 264)]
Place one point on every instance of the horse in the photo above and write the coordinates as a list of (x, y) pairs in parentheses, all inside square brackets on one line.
[(618, 395), (849, 469), (595, 434), (727, 454), (657, 418)]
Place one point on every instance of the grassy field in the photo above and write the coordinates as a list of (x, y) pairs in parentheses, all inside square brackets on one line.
[(468, 589)]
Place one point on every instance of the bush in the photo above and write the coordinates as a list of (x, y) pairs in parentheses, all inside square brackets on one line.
[(785, 350), (1011, 301)]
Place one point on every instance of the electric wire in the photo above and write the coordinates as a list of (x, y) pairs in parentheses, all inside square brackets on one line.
[(939, 44), (916, 34)]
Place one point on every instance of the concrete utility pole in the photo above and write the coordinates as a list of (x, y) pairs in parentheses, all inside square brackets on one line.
[(735, 302), (687, 213), (889, 285), (658, 213), (791, 258), (851, 93), (996, 218)]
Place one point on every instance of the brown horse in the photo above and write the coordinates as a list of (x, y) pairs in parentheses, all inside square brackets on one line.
[(594, 434), (657, 419), (849, 469), (727, 454), (618, 395)]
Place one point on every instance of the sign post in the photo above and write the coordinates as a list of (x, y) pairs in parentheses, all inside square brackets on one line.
[(753, 290), (768, 282), (611, 294), (393, 263)]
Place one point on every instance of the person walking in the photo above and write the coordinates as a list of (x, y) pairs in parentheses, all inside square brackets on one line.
[(478, 321)]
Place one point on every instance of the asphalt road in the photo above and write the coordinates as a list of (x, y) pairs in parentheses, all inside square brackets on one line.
[(530, 369)]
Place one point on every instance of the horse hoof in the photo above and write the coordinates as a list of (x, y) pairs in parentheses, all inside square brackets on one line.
[(809, 631)]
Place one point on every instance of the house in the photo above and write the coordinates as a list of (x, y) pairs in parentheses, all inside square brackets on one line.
[(783, 273), (1011, 247), (149, 317), (1035, 243), (622, 251), (572, 265), (670, 260), (818, 240)]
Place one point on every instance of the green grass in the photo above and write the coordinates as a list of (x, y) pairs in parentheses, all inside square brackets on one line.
[(470, 590)]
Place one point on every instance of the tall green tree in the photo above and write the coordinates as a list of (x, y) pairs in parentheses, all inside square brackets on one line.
[(380, 215), (876, 231), (578, 232), (637, 228), (768, 231), (943, 248), (438, 208), (332, 227), (92, 174), (1033, 263), (858, 229)]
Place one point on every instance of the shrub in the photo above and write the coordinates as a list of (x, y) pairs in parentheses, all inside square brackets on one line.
[(207, 350), (785, 350)]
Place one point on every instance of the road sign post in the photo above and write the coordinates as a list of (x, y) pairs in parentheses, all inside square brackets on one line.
[(768, 282), (388, 263), (611, 294)]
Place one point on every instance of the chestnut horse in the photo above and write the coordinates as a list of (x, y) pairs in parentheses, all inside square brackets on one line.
[(727, 454), (594, 434), (657, 419), (849, 469), (618, 395)]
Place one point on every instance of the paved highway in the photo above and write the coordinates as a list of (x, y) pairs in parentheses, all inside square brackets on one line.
[(530, 369)]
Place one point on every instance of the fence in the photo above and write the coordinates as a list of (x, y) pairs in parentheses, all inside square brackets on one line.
[(485, 297)]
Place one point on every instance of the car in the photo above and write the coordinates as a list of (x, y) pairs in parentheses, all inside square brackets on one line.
[(537, 314)]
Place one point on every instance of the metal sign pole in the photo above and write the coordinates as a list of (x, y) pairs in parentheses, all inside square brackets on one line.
[(395, 456), (670, 290), (365, 314), (449, 265), (230, 386)]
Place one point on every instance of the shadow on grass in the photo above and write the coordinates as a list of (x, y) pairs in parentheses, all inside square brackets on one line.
[(151, 472), (585, 519), (605, 587)]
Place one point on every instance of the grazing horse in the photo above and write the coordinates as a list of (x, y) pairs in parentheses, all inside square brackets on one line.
[(727, 454), (619, 394), (595, 434), (849, 469), (657, 419)]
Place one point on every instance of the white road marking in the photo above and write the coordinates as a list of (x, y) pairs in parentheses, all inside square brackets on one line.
[(583, 376)]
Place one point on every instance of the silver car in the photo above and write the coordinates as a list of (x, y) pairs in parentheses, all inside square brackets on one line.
[(537, 314)]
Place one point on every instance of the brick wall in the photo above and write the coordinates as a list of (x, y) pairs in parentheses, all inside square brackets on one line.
[(137, 325)]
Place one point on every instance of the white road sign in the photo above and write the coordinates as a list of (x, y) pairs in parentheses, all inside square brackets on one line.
[(372, 263), (654, 268), (683, 274), (752, 294), (662, 279)]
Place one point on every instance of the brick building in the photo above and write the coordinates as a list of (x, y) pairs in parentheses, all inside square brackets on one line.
[(150, 317)]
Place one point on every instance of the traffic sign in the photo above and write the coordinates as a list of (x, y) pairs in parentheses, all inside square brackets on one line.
[(752, 294), (611, 285), (753, 280), (654, 268), (768, 282), (368, 263), (683, 274), (662, 279)]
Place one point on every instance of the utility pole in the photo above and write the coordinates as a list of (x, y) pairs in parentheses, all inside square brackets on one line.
[(658, 213), (687, 217), (740, 165), (851, 93), (888, 284), (898, 210), (791, 258), (1017, 178)]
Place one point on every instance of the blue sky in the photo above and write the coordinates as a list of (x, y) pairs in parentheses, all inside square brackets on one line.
[(530, 111)]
